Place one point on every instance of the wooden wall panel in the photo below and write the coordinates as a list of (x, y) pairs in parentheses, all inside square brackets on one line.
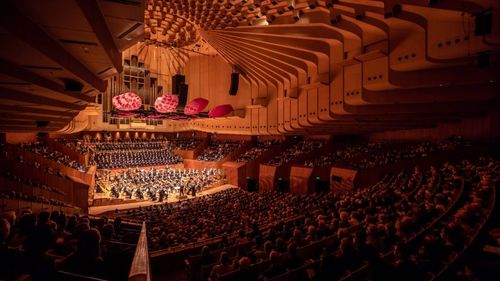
[(16, 138), (301, 180), (235, 173), (209, 77), (342, 180), (267, 178)]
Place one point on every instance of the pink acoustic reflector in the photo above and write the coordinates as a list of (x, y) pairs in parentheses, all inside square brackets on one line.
[(220, 110), (195, 106), (127, 102), (167, 103)]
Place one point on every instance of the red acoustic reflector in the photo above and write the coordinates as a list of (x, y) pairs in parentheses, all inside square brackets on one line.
[(220, 110), (195, 106)]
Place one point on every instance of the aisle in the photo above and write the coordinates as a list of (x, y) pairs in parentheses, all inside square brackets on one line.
[(95, 211)]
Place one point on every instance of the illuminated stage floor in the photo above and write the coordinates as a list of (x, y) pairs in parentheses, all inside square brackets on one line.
[(94, 211)]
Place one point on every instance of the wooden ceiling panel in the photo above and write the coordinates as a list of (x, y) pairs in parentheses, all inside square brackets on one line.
[(55, 14)]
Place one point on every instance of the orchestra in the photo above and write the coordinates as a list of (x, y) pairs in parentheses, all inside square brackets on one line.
[(155, 184)]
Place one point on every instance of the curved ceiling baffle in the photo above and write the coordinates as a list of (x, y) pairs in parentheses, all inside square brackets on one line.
[(55, 57), (306, 66), (389, 84)]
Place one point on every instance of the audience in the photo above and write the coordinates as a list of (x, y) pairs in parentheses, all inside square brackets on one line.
[(411, 151), (368, 224), (45, 151), (296, 149), (409, 224), (125, 154), (17, 195), (256, 151), (39, 245), (216, 150), (187, 144), (29, 182), (75, 144), (343, 153)]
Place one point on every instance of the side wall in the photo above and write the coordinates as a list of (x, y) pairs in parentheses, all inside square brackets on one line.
[(209, 77)]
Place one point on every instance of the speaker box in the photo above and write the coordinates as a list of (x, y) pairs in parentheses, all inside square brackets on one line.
[(283, 186), (71, 85), (183, 95), (321, 185), (252, 185), (41, 123), (177, 81), (235, 81), (483, 60), (484, 23)]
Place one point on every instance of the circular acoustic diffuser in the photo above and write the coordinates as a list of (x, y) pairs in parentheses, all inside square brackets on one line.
[(127, 102), (166, 103), (195, 106), (220, 110)]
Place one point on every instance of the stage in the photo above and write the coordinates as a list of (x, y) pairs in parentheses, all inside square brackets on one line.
[(98, 210)]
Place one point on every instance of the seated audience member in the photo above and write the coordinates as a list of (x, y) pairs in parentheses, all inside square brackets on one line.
[(276, 268), (36, 260), (292, 260), (404, 266), (206, 256), (222, 267), (245, 272), (87, 258), (9, 266)]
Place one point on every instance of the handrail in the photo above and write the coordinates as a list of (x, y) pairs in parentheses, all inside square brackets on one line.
[(488, 213), (210, 241), (139, 269), (66, 275)]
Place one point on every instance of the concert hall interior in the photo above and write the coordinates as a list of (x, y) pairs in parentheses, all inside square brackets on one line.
[(249, 140)]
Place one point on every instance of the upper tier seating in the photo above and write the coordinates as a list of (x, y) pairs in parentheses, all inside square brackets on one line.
[(45, 151), (123, 154), (256, 151), (187, 144), (294, 150), (216, 150), (343, 153)]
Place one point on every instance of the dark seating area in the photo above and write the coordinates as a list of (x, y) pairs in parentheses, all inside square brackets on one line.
[(418, 223), (410, 151), (256, 151), (42, 149), (293, 150), (59, 246), (216, 150), (187, 144), (367, 235)]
